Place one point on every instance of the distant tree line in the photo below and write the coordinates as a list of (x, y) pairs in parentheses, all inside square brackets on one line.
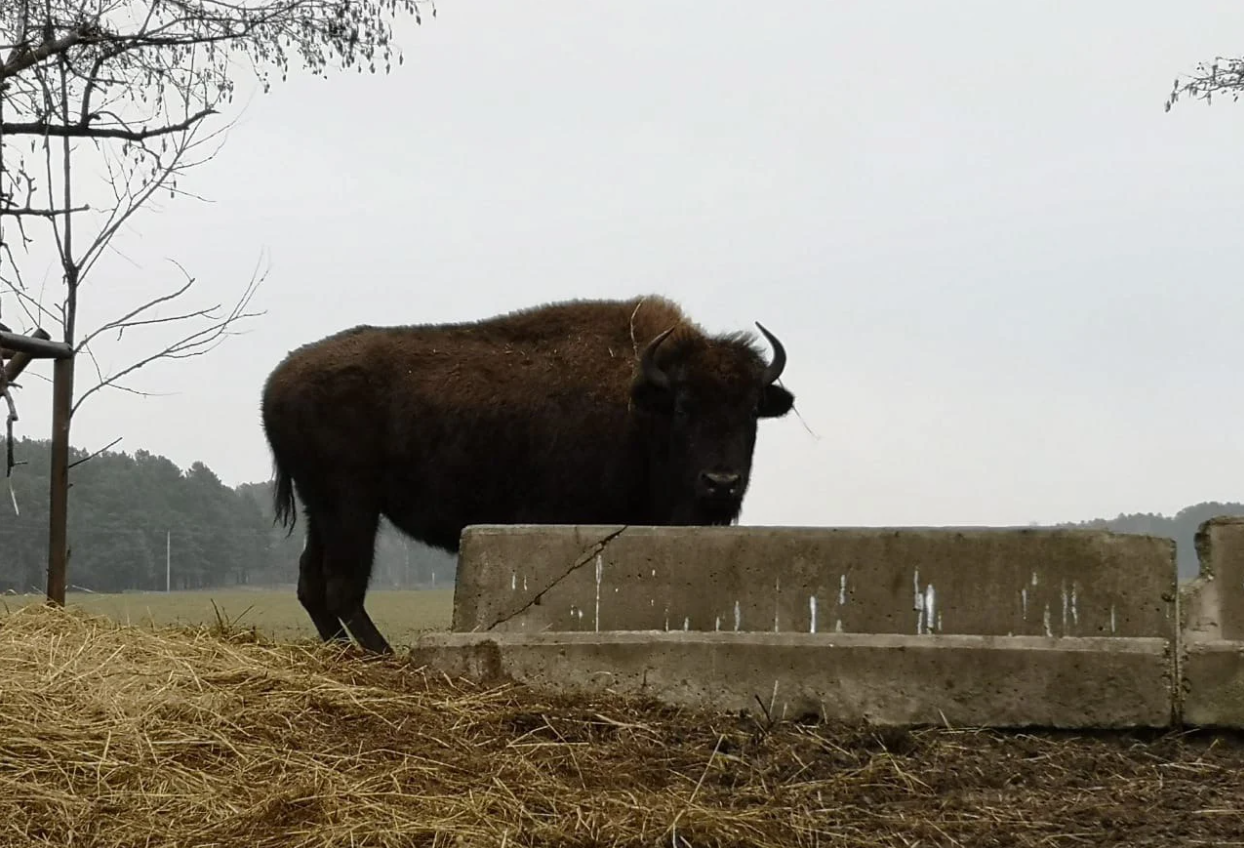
[(133, 516), (136, 519)]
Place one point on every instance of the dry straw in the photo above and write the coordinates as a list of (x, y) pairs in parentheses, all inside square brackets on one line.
[(122, 736)]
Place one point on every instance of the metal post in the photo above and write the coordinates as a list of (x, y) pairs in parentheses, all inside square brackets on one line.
[(21, 358), (58, 495)]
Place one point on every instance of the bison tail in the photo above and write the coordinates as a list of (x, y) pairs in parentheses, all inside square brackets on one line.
[(283, 500)]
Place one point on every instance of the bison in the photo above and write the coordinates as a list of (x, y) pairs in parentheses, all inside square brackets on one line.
[(582, 412)]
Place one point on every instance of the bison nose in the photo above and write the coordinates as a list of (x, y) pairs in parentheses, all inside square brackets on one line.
[(719, 483)]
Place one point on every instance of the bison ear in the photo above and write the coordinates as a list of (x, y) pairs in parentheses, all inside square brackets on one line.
[(775, 402), (651, 397)]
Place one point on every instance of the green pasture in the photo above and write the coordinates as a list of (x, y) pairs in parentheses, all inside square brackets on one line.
[(399, 613)]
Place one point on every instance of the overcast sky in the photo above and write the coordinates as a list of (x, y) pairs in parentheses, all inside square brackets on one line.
[(1009, 284)]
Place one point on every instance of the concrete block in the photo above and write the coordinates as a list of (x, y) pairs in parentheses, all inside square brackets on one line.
[(1211, 637), (1212, 674), (993, 582), (1212, 605), (978, 681)]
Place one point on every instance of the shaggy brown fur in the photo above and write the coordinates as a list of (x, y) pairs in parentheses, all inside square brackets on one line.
[(544, 415)]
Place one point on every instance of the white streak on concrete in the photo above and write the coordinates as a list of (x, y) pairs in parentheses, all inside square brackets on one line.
[(939, 622), (1034, 578), (686, 624), (524, 582), (1046, 620), (1066, 607), (667, 619), (1113, 627), (1075, 612), (600, 571), (812, 612), (777, 602), (838, 626), (918, 602), (717, 624), (842, 590), (738, 616), (929, 609), (1023, 602), (513, 581)]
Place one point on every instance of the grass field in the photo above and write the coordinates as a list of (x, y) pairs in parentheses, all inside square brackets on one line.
[(400, 614)]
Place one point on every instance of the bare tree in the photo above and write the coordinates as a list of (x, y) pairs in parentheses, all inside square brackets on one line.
[(104, 105), (1223, 76)]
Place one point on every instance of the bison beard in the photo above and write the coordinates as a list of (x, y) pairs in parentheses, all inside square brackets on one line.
[(583, 412)]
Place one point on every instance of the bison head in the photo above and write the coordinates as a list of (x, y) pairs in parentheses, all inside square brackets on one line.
[(703, 398)]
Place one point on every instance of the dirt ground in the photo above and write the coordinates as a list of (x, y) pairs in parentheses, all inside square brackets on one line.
[(113, 736)]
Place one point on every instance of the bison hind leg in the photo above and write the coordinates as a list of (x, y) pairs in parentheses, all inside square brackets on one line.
[(345, 600), (313, 588), (365, 630), (349, 537)]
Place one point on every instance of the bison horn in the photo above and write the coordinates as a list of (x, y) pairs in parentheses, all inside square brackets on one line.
[(775, 368), (652, 372)]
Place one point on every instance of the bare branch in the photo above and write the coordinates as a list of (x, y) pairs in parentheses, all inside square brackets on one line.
[(46, 129), (165, 171), (16, 211), (1222, 76), (128, 317), (192, 344), (91, 456), (27, 58), (27, 302)]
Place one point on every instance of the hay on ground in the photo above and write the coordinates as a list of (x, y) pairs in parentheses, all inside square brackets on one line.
[(124, 736)]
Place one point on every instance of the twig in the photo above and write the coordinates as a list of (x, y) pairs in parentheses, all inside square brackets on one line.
[(191, 345), (10, 462), (89, 457), (15, 211)]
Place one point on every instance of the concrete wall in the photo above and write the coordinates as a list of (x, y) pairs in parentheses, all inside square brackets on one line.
[(979, 627), (1014, 627), (981, 681), (815, 580)]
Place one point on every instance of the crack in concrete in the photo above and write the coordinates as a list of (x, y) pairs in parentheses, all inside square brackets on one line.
[(583, 560)]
